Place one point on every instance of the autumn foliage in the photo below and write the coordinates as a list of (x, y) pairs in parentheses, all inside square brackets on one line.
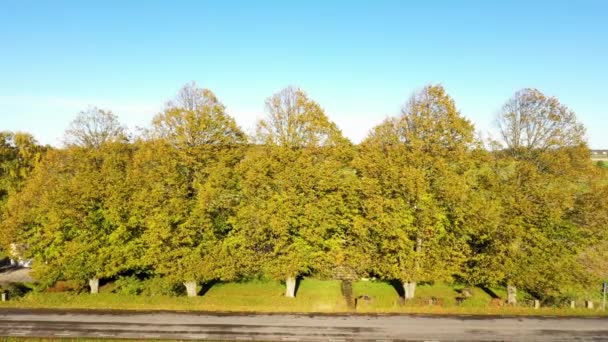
[(193, 199)]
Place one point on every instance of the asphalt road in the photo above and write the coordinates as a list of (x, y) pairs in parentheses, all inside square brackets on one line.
[(15, 275), (275, 327)]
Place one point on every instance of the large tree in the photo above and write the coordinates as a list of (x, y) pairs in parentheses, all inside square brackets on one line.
[(537, 223), (70, 215), (298, 193), (541, 179), (19, 155), (414, 189), (531, 120), (184, 173)]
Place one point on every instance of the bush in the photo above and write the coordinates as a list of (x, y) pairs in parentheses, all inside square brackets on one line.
[(67, 286), (130, 285), (155, 286), (158, 286), (15, 290), (559, 301)]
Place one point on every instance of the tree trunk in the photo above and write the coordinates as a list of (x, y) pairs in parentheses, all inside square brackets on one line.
[(511, 295), (94, 285), (290, 284), (190, 288), (409, 290)]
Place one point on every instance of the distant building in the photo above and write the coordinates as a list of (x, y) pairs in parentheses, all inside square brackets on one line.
[(599, 154)]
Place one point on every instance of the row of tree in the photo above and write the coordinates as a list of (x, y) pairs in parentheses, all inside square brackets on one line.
[(194, 199)]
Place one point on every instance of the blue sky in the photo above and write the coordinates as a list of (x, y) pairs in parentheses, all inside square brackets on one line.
[(360, 60)]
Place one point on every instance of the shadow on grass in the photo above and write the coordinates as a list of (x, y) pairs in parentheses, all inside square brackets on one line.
[(490, 292), (14, 290), (206, 287), (396, 284), (298, 281), (346, 287)]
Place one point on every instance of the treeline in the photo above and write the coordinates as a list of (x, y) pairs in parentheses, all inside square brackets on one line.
[(193, 199)]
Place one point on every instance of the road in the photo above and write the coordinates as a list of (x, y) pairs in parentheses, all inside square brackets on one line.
[(280, 327), (15, 275)]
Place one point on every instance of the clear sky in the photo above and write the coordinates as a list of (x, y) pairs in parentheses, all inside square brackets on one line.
[(360, 60)]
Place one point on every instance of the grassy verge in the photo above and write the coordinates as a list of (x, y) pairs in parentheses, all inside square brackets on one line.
[(85, 339), (261, 296), (313, 295)]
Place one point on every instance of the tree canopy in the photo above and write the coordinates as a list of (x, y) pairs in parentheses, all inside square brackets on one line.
[(419, 200), (94, 127)]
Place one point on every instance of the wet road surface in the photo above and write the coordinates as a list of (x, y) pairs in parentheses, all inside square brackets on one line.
[(282, 327)]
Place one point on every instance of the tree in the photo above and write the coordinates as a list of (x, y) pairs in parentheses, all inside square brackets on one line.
[(298, 193), (541, 177), (19, 154), (94, 127), (186, 192), (191, 97), (196, 118), (590, 214), (63, 213), (69, 215), (537, 225), (295, 121), (483, 211), (532, 121), (414, 187)]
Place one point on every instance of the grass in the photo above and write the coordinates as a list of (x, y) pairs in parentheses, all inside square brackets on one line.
[(384, 300), (80, 339), (320, 296), (261, 296)]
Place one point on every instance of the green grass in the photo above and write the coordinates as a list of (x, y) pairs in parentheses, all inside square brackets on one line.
[(80, 339), (261, 296), (384, 295), (384, 300), (322, 296)]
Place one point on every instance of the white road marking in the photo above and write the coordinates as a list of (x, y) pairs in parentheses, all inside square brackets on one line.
[(17, 333), (151, 336), (244, 338), (63, 334), (289, 339)]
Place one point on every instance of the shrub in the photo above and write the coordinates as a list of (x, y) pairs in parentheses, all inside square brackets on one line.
[(67, 286), (154, 286), (14, 290), (129, 285), (158, 286)]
